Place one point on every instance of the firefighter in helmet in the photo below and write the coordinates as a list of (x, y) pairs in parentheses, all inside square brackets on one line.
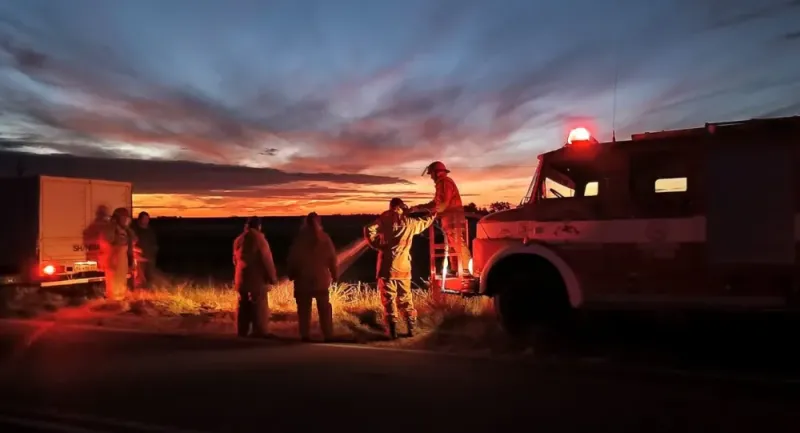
[(391, 235), (447, 203)]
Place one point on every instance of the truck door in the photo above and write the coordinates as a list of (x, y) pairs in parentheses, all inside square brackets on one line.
[(750, 218), (62, 220)]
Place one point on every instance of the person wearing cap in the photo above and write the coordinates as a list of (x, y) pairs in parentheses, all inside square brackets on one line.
[(253, 278), (447, 203), (116, 242), (391, 235), (312, 265)]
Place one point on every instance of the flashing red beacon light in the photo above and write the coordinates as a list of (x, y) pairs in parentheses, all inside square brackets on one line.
[(579, 134)]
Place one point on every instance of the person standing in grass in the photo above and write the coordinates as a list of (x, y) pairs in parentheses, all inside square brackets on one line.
[(115, 243), (391, 235), (146, 251), (312, 265), (253, 278)]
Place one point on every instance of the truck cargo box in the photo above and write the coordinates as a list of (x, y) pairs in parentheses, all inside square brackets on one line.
[(44, 222)]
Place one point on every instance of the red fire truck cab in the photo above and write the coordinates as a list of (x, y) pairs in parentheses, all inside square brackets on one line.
[(698, 218)]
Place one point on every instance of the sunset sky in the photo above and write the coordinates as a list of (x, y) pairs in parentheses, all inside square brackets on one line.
[(236, 107)]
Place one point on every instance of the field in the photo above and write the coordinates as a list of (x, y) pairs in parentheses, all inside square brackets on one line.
[(194, 293), (180, 307)]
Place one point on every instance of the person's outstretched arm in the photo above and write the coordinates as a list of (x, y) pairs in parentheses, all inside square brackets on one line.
[(420, 224), (444, 194)]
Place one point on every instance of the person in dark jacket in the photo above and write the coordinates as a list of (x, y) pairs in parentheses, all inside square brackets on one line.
[(312, 265), (147, 251), (254, 277)]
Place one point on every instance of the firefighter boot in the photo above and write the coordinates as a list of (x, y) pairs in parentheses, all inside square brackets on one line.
[(392, 330), (411, 325)]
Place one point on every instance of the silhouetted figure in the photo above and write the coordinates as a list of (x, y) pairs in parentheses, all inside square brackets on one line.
[(253, 278), (312, 265), (147, 251)]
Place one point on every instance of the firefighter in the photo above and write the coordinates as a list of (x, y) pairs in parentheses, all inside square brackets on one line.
[(391, 235), (447, 203), (312, 265), (253, 278), (93, 234), (146, 251), (115, 243)]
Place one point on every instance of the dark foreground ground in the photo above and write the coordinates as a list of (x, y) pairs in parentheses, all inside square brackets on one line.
[(102, 381)]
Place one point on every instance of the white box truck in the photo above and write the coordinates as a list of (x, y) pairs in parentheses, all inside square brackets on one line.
[(44, 224)]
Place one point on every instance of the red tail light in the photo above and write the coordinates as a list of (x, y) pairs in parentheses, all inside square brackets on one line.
[(48, 270)]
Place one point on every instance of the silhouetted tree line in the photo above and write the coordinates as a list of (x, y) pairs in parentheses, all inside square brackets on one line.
[(486, 210), (469, 208)]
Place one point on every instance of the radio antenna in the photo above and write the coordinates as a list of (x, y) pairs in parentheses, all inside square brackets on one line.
[(616, 83)]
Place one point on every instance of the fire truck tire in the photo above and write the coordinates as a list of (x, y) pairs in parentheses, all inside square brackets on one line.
[(529, 292)]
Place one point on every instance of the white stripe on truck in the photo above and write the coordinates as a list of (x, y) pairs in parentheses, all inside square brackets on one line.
[(675, 230)]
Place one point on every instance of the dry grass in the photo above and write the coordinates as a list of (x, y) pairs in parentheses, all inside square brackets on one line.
[(446, 322)]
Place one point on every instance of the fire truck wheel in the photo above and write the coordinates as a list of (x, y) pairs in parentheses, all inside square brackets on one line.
[(529, 293)]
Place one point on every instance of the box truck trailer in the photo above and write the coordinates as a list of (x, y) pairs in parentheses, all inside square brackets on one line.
[(46, 224)]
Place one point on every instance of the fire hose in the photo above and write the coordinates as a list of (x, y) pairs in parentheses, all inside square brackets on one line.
[(350, 254)]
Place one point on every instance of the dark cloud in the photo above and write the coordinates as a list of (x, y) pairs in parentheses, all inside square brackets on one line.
[(173, 177), (525, 66)]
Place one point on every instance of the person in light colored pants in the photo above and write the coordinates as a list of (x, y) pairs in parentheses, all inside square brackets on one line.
[(391, 235), (115, 243)]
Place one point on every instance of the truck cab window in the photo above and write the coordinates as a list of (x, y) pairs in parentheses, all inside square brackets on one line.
[(591, 189), (553, 189), (568, 182), (673, 184)]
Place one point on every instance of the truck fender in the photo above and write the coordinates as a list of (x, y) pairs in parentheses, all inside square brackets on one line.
[(570, 279)]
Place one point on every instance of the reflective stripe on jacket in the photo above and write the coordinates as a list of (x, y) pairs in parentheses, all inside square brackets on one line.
[(391, 234)]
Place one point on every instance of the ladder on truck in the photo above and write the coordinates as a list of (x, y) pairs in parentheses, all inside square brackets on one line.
[(440, 281)]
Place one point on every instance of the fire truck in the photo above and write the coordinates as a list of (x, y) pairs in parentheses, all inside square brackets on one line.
[(701, 218)]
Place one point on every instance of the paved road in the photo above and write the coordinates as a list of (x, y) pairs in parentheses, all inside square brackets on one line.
[(92, 379)]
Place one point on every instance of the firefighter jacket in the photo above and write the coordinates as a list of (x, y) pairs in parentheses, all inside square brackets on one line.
[(312, 262), (147, 242), (252, 258), (447, 203), (391, 234)]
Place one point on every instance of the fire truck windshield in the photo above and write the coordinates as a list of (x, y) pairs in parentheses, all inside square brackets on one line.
[(561, 175)]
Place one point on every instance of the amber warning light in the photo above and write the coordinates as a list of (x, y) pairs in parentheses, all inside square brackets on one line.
[(579, 134)]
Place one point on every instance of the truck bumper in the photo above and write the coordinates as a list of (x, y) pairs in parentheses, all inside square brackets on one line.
[(71, 282)]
